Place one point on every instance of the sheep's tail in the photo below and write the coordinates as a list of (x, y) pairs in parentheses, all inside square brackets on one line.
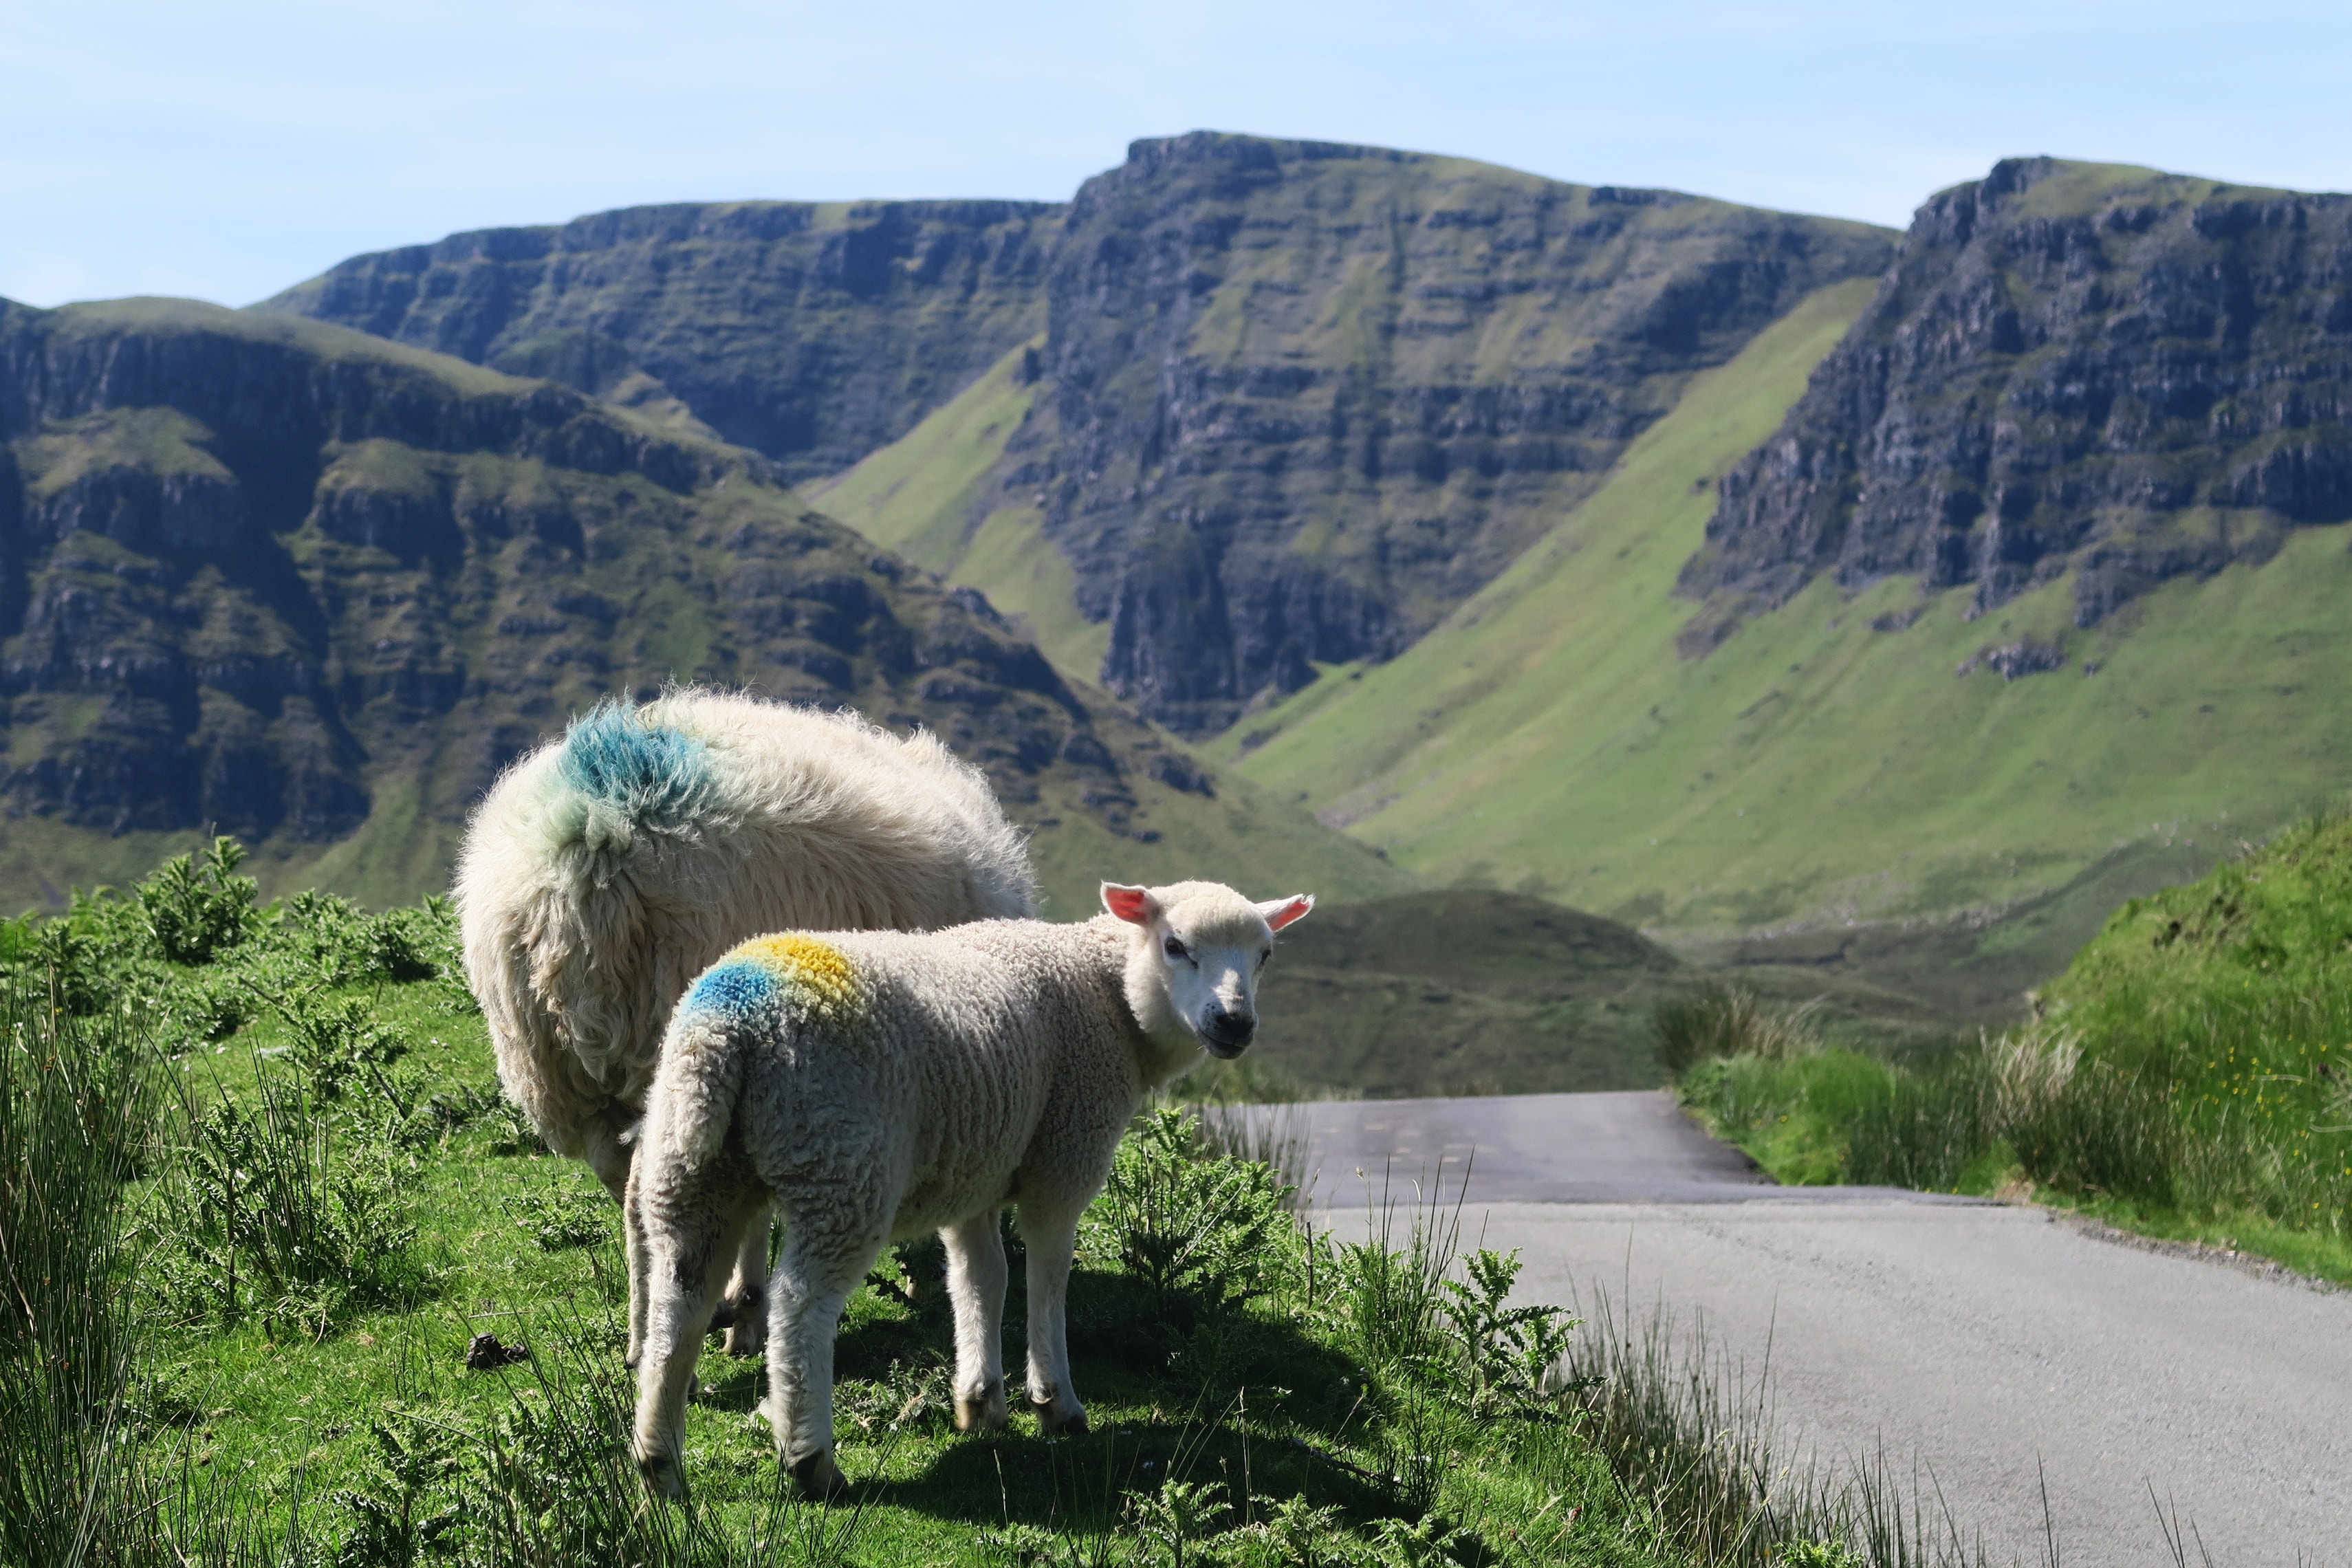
[(622, 773), (699, 1084)]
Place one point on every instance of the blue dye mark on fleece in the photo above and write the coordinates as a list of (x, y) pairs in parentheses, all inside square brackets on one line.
[(650, 774), (736, 987)]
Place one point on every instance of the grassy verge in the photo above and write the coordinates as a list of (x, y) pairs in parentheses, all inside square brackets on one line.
[(2189, 1077), (264, 1209)]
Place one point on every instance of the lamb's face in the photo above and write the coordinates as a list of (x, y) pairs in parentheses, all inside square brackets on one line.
[(1199, 949)]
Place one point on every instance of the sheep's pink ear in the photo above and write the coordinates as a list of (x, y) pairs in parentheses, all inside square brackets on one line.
[(1136, 906), (1282, 911)]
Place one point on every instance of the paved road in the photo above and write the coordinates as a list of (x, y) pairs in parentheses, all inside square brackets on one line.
[(1990, 1344)]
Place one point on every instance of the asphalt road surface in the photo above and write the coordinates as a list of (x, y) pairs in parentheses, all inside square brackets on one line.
[(2006, 1354)]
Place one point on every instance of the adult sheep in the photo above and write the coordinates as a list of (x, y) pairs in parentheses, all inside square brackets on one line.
[(875, 1085), (604, 870)]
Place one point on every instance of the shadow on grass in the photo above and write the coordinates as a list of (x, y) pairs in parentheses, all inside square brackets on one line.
[(1253, 1407)]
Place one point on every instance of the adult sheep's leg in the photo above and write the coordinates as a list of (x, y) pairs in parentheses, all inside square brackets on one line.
[(1050, 1231), (747, 1291), (976, 1287), (689, 1229)]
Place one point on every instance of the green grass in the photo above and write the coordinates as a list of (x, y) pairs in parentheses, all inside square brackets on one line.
[(1256, 1391), (2189, 1077), (1812, 770)]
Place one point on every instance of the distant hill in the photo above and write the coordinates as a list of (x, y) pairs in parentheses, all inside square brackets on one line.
[(1288, 401), (314, 588), (811, 332), (1466, 991)]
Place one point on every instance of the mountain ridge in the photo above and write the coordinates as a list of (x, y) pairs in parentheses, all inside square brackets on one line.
[(894, 307), (1293, 399)]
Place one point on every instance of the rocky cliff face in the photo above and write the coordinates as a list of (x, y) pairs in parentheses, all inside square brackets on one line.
[(811, 333), (279, 578), (2071, 368), (1304, 398)]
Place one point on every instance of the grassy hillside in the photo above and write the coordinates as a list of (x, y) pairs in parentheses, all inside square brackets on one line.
[(1299, 398), (1826, 764), (926, 497)]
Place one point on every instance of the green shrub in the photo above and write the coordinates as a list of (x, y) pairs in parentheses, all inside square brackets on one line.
[(264, 1217), (1206, 1229), (197, 907), (335, 1042), (1508, 1357)]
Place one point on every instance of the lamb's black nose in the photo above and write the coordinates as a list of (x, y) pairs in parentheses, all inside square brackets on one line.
[(1228, 1033)]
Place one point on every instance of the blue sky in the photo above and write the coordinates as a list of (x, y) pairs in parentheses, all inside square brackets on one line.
[(230, 148)]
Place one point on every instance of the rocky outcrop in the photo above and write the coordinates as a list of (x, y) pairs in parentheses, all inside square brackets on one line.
[(2070, 368), (811, 332), (268, 574), (1303, 398)]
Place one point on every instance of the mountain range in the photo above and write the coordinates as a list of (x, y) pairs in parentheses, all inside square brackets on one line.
[(1741, 574)]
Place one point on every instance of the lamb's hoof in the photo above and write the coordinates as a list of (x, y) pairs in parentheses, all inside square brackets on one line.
[(665, 1475), (749, 1334), (722, 1316), (983, 1415), (1074, 1427), (818, 1476)]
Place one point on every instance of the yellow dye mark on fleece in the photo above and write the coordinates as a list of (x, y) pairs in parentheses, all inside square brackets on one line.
[(818, 975)]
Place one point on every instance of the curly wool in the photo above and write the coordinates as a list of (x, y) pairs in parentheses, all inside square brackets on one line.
[(604, 870)]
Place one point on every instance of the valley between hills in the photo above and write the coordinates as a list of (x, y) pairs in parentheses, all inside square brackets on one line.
[(1869, 613)]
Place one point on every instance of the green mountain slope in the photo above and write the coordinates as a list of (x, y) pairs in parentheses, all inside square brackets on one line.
[(927, 496), (1839, 760), (285, 580)]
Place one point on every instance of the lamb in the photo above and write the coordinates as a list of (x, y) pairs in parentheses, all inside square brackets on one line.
[(602, 871), (876, 1084)]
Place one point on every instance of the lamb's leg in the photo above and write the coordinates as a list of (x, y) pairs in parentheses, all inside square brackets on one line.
[(614, 1163), (747, 1291), (1049, 1231), (812, 1284), (976, 1287), (688, 1231)]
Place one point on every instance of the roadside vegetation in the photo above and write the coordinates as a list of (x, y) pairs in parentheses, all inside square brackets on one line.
[(288, 1283), (2189, 1075)]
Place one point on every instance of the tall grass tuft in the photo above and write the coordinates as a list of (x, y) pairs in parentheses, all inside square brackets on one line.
[(1728, 1021), (77, 1101)]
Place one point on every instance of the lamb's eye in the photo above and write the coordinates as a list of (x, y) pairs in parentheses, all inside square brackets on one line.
[(1176, 949), (1262, 958)]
